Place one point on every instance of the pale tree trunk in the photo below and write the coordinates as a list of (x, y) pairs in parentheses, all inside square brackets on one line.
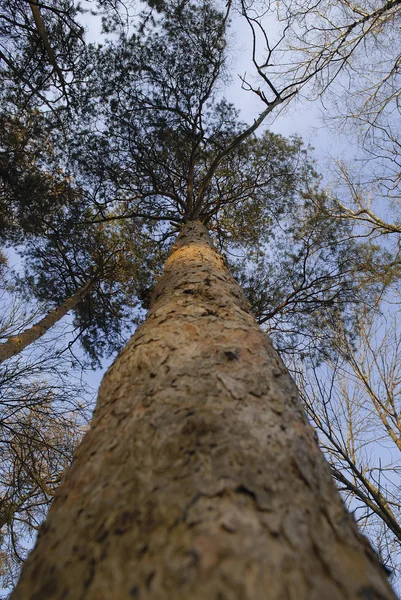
[(15, 344), (200, 478)]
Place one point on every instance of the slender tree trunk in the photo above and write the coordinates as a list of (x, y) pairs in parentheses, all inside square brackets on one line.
[(200, 478), (14, 345), (41, 29)]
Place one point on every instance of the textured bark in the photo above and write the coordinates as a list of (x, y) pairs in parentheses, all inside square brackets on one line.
[(200, 478), (14, 345)]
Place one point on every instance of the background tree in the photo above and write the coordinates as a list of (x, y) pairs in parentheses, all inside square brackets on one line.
[(350, 42), (116, 258), (41, 45), (320, 276), (350, 51), (34, 185), (353, 401), (43, 414)]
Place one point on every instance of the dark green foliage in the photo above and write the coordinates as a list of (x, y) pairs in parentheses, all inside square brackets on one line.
[(114, 257), (154, 123), (33, 187)]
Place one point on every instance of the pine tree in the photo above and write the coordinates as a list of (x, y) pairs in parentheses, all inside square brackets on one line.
[(200, 476)]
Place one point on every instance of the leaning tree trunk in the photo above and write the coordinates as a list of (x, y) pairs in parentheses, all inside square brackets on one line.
[(200, 478), (17, 343)]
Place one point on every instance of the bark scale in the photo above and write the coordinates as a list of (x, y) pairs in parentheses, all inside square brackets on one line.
[(14, 345), (200, 478)]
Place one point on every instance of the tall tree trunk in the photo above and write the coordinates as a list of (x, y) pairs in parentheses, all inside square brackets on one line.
[(200, 478), (15, 344)]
